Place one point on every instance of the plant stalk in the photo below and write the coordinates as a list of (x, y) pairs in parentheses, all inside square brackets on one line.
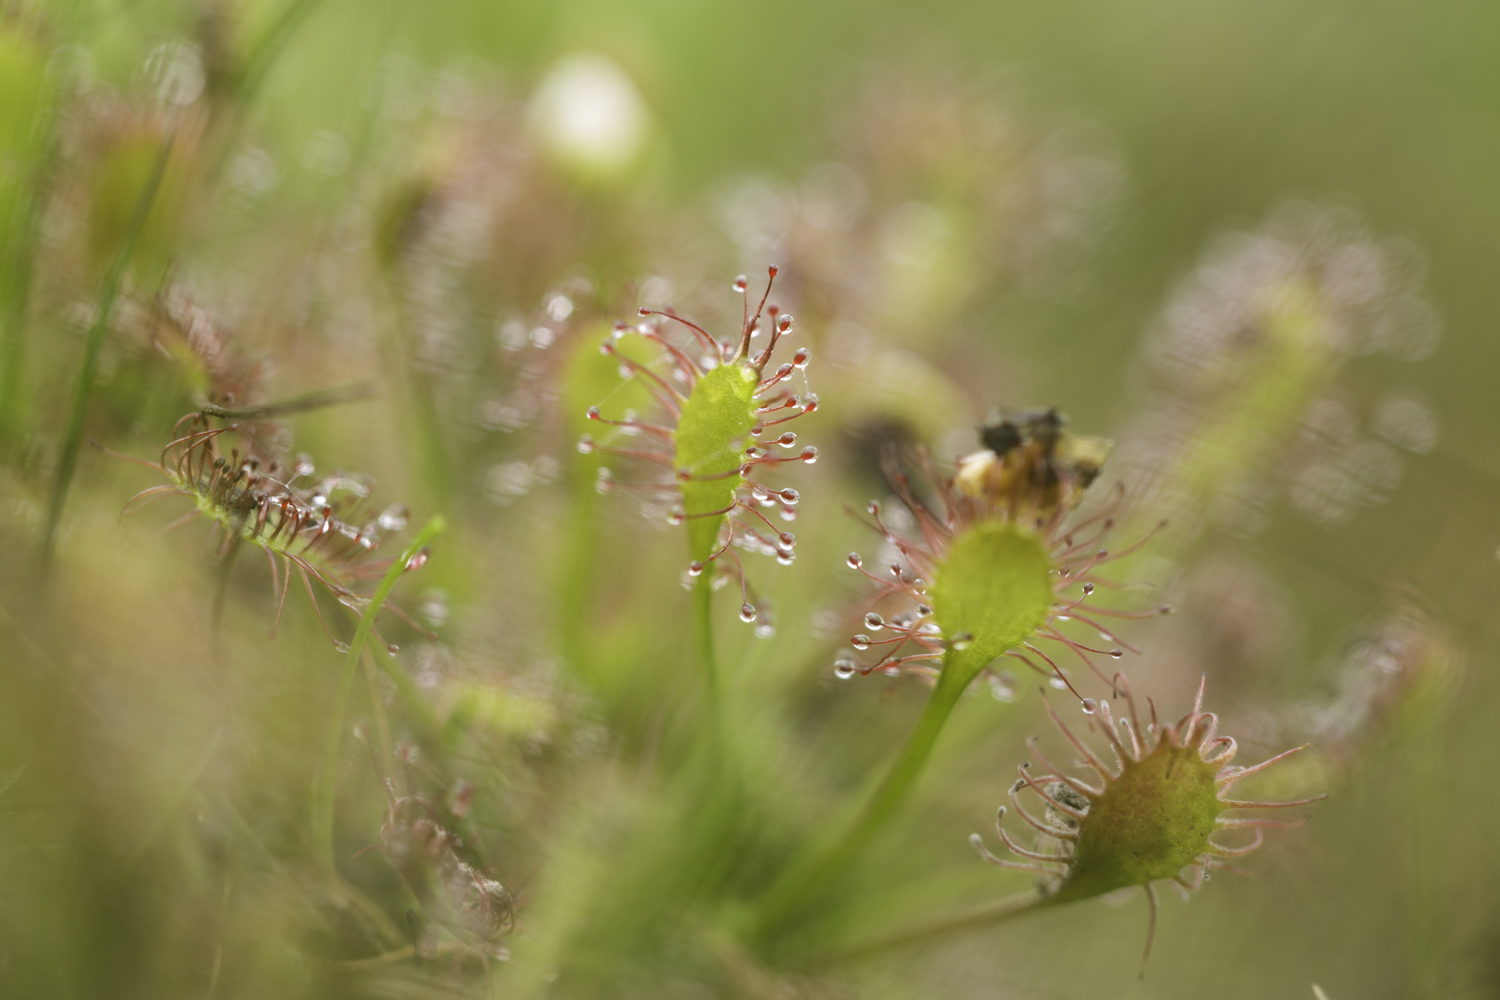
[(323, 818), (67, 460), (713, 714), (802, 882), (986, 915)]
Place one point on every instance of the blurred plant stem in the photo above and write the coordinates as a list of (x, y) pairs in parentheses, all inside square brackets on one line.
[(15, 294), (258, 63), (803, 880), (336, 396), (326, 786), (703, 629), (175, 800), (986, 915), (109, 292)]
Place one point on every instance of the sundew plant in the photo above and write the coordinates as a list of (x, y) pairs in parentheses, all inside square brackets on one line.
[(438, 563)]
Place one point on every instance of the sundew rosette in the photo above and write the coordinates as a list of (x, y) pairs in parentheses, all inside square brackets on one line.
[(996, 564), (1152, 817), (320, 527), (726, 411)]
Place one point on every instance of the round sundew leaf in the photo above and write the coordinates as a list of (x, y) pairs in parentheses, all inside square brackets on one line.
[(995, 589), (1151, 821), (710, 440)]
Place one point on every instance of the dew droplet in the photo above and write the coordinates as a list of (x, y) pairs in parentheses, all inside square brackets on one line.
[(1089, 706), (740, 284), (789, 496), (1088, 588), (434, 607), (893, 671), (417, 561), (874, 622), (854, 561), (873, 507), (963, 640), (747, 613), (393, 518), (695, 568), (924, 610), (801, 358), (809, 455), (1003, 686), (784, 324), (676, 515), (844, 669), (1116, 653), (592, 413), (787, 440), (860, 642), (585, 445), (788, 513)]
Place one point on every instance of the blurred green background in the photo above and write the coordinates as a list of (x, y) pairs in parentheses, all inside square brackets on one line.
[(1127, 210)]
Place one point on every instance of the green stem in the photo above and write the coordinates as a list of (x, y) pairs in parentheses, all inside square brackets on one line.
[(20, 261), (987, 915), (713, 713), (73, 436), (336, 396), (323, 819), (703, 622), (269, 46), (174, 802), (801, 882)]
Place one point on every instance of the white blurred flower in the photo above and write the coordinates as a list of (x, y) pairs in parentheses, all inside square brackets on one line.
[(589, 114)]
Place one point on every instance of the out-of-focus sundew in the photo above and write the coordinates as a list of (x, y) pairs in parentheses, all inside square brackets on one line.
[(1248, 400)]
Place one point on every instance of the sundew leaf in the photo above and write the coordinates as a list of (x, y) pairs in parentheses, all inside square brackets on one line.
[(990, 594), (716, 421), (1150, 823)]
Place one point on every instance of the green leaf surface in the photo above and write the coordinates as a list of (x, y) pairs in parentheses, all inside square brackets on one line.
[(994, 586), (710, 439)]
